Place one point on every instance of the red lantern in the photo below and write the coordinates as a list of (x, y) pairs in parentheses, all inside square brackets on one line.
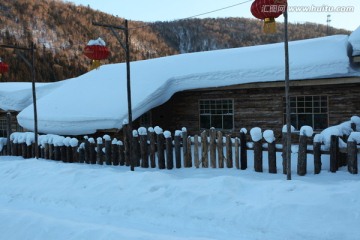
[(4, 68), (268, 10), (96, 51)]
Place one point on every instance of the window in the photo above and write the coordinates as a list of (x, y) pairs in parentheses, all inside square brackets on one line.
[(217, 113), (308, 110)]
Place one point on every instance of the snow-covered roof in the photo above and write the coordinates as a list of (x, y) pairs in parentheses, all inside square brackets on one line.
[(15, 96), (354, 39), (98, 99)]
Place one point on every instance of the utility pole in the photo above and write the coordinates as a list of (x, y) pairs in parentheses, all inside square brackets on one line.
[(32, 68), (287, 96), (126, 47)]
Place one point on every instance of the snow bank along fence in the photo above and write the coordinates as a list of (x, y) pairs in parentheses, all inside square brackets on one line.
[(155, 148)]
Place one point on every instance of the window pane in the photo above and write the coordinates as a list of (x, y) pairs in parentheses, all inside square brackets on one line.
[(216, 121), (228, 122), (305, 119), (205, 121), (320, 121)]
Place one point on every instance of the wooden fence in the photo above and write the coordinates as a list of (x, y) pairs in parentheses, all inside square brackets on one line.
[(212, 149)]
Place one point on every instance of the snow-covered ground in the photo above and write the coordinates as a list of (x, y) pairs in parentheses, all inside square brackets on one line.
[(42, 199)]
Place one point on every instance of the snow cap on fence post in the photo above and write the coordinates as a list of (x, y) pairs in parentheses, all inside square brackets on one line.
[(99, 140), (74, 142), (356, 120), (167, 134), (125, 122), (306, 131), (135, 133), (318, 138), (256, 134), (178, 133), (269, 136), (66, 141), (158, 130), (284, 129), (184, 129), (243, 130), (114, 141), (107, 137), (142, 131), (354, 137)]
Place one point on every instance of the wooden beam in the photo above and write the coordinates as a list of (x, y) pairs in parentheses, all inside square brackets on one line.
[(294, 83)]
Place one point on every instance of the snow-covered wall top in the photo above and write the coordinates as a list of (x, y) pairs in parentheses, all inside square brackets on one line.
[(354, 39), (98, 100)]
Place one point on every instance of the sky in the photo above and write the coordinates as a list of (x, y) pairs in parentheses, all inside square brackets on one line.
[(162, 10)]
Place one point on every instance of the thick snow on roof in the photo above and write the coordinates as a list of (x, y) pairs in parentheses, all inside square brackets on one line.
[(18, 95), (98, 99), (354, 39)]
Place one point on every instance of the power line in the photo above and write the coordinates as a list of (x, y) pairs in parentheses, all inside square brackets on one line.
[(197, 15)]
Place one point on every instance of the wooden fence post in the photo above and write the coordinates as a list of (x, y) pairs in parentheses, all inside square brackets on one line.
[(121, 153), (87, 150), (108, 160), (258, 158), (135, 148), (184, 145), (126, 135), (115, 152), (29, 150), (334, 153), (63, 153), (24, 152), (188, 158), (57, 153), (243, 151), (177, 139), (212, 147), (317, 157), (352, 157), (143, 147), (169, 150), (256, 136), (196, 151), (302, 156), (229, 158), (272, 157), (92, 152), (160, 149), (152, 147), (284, 152), (46, 151), (14, 151), (99, 153), (237, 153), (220, 148), (81, 151), (51, 151), (204, 150)]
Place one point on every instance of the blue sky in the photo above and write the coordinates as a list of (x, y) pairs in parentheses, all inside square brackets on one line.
[(165, 10)]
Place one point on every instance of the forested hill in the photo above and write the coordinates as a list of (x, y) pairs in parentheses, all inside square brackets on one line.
[(61, 30)]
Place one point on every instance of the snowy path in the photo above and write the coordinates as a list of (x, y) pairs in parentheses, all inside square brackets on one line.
[(42, 199)]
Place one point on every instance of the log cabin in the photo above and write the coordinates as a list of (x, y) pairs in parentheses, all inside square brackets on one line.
[(226, 89)]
